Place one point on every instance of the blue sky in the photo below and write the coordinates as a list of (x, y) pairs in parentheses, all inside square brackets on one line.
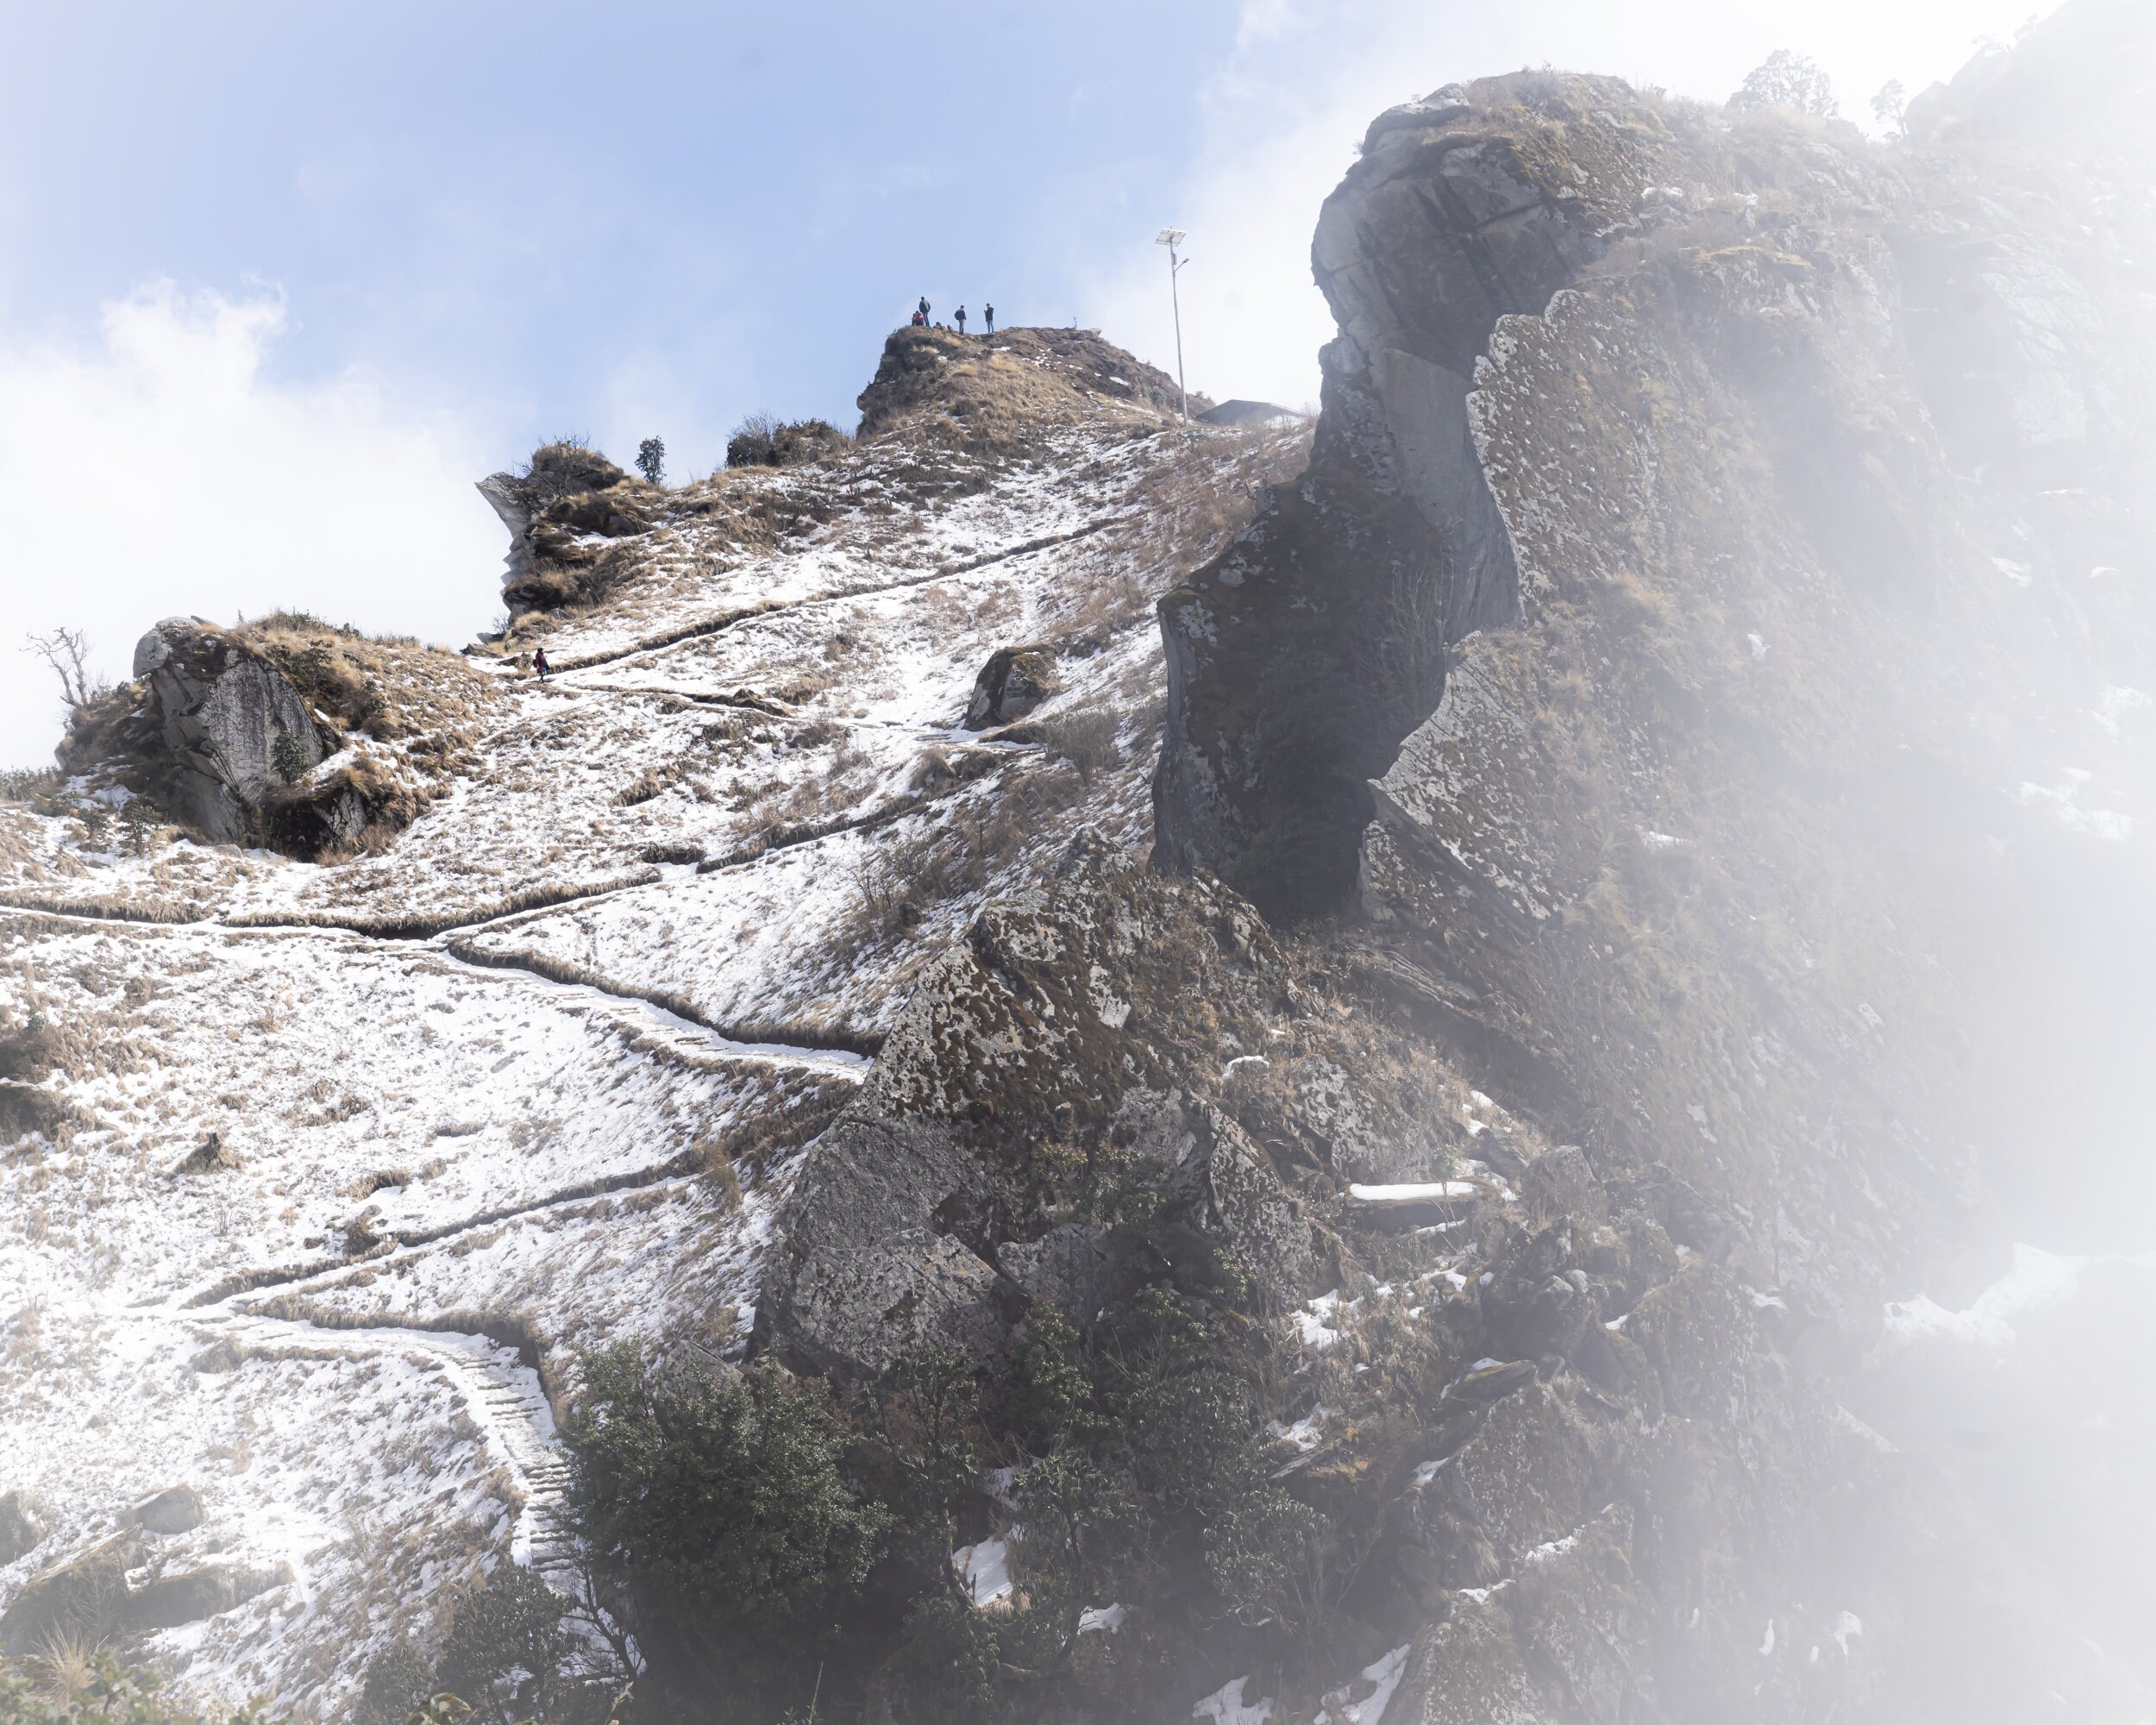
[(277, 282)]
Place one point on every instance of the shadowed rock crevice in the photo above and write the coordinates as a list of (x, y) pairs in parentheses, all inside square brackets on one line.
[(1298, 661)]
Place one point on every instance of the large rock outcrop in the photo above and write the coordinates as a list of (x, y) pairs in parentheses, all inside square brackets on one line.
[(233, 729), (1742, 508), (282, 732), (1297, 661), (562, 514), (1005, 392), (1060, 1033)]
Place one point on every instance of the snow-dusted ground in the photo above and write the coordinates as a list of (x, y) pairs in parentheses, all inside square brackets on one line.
[(520, 1086)]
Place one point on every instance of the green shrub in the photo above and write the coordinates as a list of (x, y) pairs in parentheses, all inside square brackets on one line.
[(920, 1416), (28, 784), (139, 819), (763, 440), (718, 1505), (288, 757), (397, 1682), (102, 1692), (948, 1668), (1262, 1549), (508, 1654)]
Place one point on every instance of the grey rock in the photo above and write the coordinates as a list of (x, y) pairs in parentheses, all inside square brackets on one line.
[(218, 711), (1078, 1268), (1239, 1206), (1299, 659), (177, 1510), (21, 1530), (1014, 681), (871, 1264), (191, 1596), (85, 1595), (850, 1311), (510, 499), (1411, 116)]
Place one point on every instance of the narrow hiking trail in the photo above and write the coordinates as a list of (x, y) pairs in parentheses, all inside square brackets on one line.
[(358, 1158)]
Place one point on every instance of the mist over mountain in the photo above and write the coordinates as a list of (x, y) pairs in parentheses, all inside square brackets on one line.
[(1481, 1061)]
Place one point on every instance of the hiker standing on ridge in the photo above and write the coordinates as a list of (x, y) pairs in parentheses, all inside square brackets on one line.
[(539, 662), (988, 312), (920, 312), (959, 317)]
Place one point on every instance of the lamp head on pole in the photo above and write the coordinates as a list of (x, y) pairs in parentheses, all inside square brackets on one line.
[(1170, 237)]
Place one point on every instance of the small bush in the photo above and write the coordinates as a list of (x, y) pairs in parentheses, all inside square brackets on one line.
[(763, 440), (139, 818), (947, 1671), (651, 460), (397, 1682), (1087, 739), (288, 757), (509, 1656), (28, 784), (102, 1691), (718, 1505)]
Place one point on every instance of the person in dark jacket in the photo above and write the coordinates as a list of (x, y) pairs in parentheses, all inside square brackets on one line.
[(539, 662), (920, 312), (959, 317), (988, 313)]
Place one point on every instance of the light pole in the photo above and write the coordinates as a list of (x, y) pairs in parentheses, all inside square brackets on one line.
[(1171, 238)]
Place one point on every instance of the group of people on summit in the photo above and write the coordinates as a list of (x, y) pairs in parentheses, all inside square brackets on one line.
[(987, 313)]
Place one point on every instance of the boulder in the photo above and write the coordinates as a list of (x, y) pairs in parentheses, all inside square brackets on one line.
[(1014, 681), (231, 728), (852, 1311), (1060, 1018), (191, 1596), (86, 1596), (21, 1530), (872, 1263), (177, 1510), (1077, 1268)]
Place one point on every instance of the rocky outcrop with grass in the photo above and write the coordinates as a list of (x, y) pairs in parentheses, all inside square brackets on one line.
[(1006, 391), (563, 511), (282, 733), (233, 725)]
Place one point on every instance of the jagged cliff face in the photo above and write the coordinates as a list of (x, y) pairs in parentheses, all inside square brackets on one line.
[(1760, 504)]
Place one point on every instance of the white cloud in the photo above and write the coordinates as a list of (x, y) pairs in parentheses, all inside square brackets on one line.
[(1286, 108), (165, 471)]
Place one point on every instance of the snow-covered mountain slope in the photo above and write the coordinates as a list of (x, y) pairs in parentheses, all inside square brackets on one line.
[(326, 1172)]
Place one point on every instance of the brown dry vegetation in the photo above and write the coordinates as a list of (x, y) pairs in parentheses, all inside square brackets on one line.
[(1003, 393)]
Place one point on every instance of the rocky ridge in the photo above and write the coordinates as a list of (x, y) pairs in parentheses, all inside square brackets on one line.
[(330, 1169)]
